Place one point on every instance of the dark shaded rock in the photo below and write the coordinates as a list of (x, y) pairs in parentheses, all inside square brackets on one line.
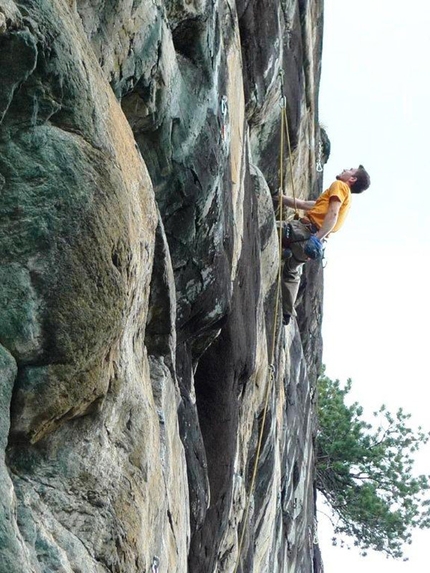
[(223, 370)]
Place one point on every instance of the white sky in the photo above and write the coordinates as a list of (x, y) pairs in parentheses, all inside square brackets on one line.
[(375, 105)]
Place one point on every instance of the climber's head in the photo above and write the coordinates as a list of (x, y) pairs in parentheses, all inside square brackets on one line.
[(358, 179)]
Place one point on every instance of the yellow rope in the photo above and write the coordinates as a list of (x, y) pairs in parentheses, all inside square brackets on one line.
[(284, 128), (287, 130)]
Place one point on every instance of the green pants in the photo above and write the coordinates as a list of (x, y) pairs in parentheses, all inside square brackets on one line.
[(292, 267)]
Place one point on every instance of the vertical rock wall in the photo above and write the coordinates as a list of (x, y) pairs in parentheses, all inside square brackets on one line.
[(139, 339)]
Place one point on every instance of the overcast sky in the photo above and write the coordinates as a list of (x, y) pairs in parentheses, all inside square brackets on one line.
[(375, 106)]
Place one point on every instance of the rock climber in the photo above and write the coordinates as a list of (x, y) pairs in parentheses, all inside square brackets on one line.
[(302, 238)]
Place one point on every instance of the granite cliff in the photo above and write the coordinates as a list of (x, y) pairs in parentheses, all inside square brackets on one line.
[(139, 339)]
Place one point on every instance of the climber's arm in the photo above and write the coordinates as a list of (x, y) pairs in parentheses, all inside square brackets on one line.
[(298, 203), (331, 217)]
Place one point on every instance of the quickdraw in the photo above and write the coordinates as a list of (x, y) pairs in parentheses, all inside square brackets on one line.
[(224, 110), (319, 165), (155, 564)]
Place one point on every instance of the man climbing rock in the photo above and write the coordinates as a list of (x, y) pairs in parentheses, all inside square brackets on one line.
[(302, 238)]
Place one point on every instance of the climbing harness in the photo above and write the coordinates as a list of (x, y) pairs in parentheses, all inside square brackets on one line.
[(313, 247)]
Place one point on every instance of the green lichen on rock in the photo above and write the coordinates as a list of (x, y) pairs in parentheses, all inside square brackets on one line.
[(19, 322)]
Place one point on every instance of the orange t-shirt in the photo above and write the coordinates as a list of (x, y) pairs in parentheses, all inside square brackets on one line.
[(337, 189)]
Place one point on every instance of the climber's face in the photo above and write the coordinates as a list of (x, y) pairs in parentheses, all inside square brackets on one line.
[(347, 175)]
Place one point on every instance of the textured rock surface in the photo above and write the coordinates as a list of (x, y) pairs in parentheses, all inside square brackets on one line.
[(138, 270)]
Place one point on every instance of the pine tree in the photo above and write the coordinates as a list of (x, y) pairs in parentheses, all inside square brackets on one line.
[(365, 472)]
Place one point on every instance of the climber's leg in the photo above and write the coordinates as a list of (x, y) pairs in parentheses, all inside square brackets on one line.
[(298, 234)]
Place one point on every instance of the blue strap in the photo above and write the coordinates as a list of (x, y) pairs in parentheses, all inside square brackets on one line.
[(314, 248)]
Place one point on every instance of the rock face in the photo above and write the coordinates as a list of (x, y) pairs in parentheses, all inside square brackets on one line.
[(144, 370)]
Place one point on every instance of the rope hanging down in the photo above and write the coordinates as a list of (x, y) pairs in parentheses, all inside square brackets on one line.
[(285, 127), (271, 377)]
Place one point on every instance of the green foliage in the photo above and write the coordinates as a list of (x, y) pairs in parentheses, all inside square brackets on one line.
[(365, 472)]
